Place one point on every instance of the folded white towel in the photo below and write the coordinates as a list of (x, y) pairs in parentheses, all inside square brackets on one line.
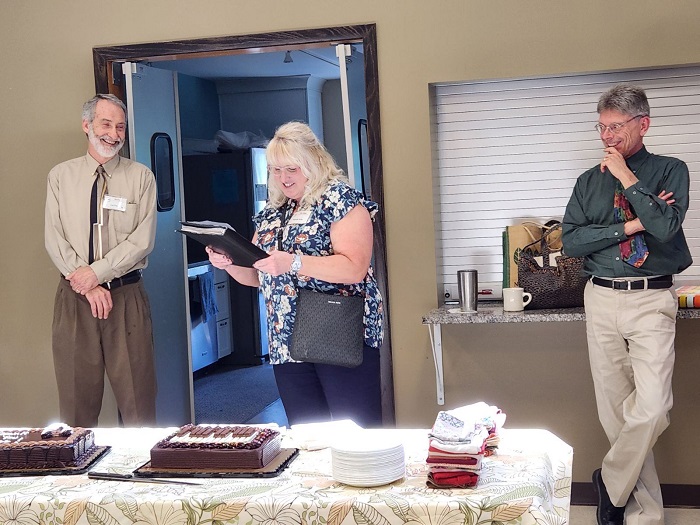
[(470, 424)]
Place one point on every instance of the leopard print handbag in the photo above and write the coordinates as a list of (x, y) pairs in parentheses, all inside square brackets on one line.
[(558, 285)]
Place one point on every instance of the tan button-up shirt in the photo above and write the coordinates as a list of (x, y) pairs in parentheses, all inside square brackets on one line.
[(127, 236)]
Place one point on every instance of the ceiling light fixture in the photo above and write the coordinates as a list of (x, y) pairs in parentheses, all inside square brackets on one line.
[(288, 58), (331, 62)]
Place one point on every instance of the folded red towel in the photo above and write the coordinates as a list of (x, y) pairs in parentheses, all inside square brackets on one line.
[(453, 479)]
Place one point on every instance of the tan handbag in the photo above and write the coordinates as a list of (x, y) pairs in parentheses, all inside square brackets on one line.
[(516, 237)]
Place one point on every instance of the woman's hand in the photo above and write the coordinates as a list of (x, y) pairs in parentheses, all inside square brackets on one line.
[(218, 260), (244, 275), (276, 264)]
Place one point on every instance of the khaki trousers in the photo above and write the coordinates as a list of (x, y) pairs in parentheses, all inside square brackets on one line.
[(631, 350), (122, 345)]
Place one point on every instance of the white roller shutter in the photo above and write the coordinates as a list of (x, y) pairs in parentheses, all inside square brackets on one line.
[(510, 150)]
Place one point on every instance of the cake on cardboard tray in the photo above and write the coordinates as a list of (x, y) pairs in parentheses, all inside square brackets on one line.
[(217, 447), (55, 447)]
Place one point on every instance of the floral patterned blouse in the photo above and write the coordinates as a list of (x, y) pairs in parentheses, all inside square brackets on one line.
[(312, 238)]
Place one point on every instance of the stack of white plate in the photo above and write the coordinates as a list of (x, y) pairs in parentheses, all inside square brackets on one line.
[(368, 460)]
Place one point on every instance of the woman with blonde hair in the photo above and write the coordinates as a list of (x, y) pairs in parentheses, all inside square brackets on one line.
[(317, 231)]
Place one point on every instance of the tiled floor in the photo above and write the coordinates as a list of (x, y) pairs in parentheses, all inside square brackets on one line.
[(273, 413), (586, 516)]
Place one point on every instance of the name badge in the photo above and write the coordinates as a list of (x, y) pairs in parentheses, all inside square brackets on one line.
[(111, 202), (300, 217)]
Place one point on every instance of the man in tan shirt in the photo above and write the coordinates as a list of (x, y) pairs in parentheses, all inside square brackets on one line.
[(102, 318)]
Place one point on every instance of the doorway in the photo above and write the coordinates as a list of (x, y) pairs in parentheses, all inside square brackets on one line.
[(107, 66)]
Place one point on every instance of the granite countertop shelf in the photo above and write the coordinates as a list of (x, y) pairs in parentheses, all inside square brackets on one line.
[(492, 312)]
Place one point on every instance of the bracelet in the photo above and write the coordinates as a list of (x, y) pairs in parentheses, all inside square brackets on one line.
[(296, 264)]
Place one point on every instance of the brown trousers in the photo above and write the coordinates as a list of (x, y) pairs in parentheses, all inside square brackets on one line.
[(84, 347)]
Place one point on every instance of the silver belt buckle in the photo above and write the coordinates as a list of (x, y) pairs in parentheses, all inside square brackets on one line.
[(628, 284)]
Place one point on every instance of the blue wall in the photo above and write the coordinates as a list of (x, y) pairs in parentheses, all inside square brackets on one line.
[(199, 107)]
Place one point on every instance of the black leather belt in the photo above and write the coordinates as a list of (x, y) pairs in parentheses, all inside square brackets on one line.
[(128, 278), (651, 283)]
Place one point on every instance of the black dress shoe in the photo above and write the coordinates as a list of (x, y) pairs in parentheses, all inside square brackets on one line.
[(607, 514)]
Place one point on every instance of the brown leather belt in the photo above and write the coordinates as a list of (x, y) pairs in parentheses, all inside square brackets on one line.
[(128, 278), (651, 283)]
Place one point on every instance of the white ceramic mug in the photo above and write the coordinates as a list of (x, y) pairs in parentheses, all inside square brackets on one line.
[(515, 299)]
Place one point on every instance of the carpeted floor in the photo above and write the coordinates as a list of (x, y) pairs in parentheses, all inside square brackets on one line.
[(230, 394)]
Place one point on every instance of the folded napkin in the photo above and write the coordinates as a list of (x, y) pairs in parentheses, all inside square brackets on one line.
[(452, 479), (469, 424), (458, 441)]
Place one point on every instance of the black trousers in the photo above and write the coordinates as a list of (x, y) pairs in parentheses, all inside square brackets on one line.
[(314, 393)]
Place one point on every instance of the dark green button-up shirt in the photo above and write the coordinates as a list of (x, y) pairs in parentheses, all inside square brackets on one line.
[(589, 228)]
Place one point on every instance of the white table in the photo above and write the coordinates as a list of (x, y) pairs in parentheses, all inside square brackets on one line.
[(528, 482)]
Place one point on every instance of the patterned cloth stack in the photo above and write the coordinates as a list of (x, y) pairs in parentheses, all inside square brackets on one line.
[(459, 440)]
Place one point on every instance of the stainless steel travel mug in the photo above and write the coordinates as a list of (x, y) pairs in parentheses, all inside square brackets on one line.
[(468, 283)]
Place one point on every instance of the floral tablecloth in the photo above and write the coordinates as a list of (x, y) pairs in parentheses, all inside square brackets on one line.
[(527, 482)]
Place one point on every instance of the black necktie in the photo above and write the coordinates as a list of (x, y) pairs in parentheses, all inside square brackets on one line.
[(99, 173)]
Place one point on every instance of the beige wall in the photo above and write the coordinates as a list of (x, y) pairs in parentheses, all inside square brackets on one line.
[(538, 374)]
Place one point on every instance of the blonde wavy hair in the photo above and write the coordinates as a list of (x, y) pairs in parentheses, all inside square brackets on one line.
[(296, 144)]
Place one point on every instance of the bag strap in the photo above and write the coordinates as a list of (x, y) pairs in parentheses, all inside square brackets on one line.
[(544, 244), (287, 212), (538, 225)]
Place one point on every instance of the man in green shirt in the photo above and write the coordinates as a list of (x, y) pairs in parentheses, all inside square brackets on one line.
[(624, 217)]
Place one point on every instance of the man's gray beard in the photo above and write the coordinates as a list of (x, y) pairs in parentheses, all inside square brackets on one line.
[(105, 151)]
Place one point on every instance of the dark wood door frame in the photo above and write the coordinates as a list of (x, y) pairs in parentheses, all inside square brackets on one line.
[(106, 58)]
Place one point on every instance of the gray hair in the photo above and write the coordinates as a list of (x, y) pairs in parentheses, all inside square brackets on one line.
[(90, 105), (295, 143), (626, 99)]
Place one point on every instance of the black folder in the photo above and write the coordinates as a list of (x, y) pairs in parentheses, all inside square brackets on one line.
[(224, 239)]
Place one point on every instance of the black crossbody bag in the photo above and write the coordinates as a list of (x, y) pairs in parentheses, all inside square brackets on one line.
[(328, 329)]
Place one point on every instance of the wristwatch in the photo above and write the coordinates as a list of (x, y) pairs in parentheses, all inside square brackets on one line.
[(296, 264)]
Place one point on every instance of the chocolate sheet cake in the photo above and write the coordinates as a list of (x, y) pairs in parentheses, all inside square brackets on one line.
[(217, 447), (56, 447)]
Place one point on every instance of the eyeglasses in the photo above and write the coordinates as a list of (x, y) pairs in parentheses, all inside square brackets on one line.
[(616, 127), (277, 170)]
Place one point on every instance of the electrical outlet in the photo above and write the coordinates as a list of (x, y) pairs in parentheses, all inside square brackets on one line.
[(450, 293)]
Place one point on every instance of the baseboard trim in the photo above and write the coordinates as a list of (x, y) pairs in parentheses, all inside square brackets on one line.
[(686, 496)]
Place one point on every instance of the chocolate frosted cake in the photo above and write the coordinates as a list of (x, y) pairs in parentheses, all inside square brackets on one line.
[(56, 447), (217, 447)]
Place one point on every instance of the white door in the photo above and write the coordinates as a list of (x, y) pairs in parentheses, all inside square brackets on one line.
[(153, 111)]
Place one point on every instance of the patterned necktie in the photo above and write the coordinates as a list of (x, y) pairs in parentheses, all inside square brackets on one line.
[(99, 174), (634, 250)]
